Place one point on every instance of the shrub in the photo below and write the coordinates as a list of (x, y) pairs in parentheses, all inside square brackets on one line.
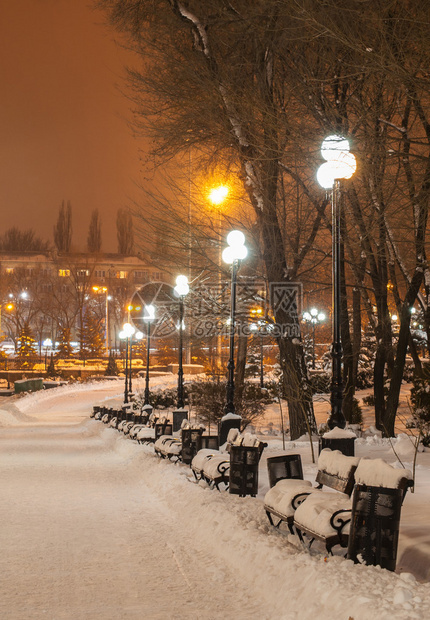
[(420, 399), (209, 399), (355, 415), (320, 383)]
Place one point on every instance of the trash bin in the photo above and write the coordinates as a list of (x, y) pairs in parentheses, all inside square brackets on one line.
[(210, 442), (343, 444), (284, 466), (162, 428), (244, 462), (178, 417), (190, 443), (226, 423), (374, 529)]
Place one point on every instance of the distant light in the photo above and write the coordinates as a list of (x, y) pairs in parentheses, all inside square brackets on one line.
[(128, 329), (217, 195), (149, 312), (182, 288), (333, 147), (340, 163), (235, 238), (236, 249)]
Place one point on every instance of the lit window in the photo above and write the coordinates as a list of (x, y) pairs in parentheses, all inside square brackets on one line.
[(82, 273), (121, 274), (64, 273)]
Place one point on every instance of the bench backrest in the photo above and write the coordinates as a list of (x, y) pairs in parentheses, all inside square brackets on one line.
[(335, 470)]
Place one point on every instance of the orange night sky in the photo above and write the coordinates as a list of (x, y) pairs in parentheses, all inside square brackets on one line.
[(63, 120)]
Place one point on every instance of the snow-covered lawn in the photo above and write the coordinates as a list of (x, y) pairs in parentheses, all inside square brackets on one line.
[(94, 526)]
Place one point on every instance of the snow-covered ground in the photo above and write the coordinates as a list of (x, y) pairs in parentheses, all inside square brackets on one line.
[(94, 526)]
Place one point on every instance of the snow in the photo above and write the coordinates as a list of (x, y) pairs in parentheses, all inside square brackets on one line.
[(339, 433), (316, 511), (378, 473), (280, 497), (335, 463), (95, 526), (230, 416)]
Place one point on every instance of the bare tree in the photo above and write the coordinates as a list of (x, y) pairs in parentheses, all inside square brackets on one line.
[(63, 228), (15, 240), (94, 239), (124, 232)]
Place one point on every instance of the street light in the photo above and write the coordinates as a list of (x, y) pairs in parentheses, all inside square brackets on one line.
[(340, 164), (217, 196), (232, 255), (138, 335), (47, 343), (148, 316), (314, 317), (181, 290)]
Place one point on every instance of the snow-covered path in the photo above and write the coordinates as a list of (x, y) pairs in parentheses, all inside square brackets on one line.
[(82, 536), (94, 526)]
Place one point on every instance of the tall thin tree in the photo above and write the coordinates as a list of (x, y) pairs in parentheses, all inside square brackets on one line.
[(63, 228), (94, 239), (124, 232)]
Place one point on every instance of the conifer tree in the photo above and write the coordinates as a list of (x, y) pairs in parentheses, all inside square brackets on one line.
[(91, 334), (26, 346), (65, 348), (111, 368)]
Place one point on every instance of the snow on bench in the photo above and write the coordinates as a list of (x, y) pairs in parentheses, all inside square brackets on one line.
[(168, 446), (326, 516), (203, 456), (335, 470), (216, 468)]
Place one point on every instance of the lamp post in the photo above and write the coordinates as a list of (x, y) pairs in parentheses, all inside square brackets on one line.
[(181, 290), (47, 343), (125, 334), (314, 317), (340, 164), (138, 335), (148, 316), (232, 255)]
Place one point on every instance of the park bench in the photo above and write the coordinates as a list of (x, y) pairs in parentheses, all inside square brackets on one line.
[(150, 434), (180, 447), (168, 447), (109, 413), (204, 455), (216, 468), (335, 471), (146, 419), (327, 517)]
